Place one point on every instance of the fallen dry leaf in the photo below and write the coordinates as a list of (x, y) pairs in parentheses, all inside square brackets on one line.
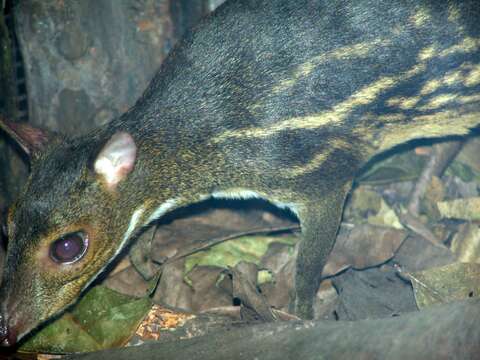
[(363, 246), (466, 243), (466, 209), (445, 284), (160, 319)]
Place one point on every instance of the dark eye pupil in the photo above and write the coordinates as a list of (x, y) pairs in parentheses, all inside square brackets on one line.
[(69, 248)]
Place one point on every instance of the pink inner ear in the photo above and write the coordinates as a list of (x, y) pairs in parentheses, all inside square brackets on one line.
[(36, 138), (116, 159), (32, 140)]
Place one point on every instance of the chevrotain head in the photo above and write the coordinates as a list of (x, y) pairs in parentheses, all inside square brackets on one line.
[(62, 229)]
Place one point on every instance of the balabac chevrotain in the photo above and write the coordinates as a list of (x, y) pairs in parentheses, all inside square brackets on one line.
[(276, 99)]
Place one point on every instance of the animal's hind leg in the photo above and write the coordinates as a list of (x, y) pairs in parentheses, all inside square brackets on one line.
[(319, 220)]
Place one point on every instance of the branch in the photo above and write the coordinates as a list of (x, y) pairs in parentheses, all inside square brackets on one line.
[(440, 332)]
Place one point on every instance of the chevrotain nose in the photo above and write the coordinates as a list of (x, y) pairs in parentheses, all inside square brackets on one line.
[(8, 337)]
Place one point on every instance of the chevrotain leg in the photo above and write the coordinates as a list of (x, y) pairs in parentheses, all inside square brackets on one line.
[(319, 220)]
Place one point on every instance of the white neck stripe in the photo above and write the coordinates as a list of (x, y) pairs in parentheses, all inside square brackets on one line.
[(133, 223), (159, 211)]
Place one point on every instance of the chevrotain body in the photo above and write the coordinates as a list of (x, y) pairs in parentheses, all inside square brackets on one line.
[(276, 99)]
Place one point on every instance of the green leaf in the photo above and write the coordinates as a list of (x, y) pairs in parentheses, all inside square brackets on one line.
[(230, 253), (464, 172), (102, 319)]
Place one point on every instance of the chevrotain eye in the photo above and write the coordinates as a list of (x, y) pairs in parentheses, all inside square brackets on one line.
[(69, 248)]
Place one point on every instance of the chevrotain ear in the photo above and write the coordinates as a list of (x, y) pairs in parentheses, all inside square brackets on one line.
[(116, 159), (33, 141)]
